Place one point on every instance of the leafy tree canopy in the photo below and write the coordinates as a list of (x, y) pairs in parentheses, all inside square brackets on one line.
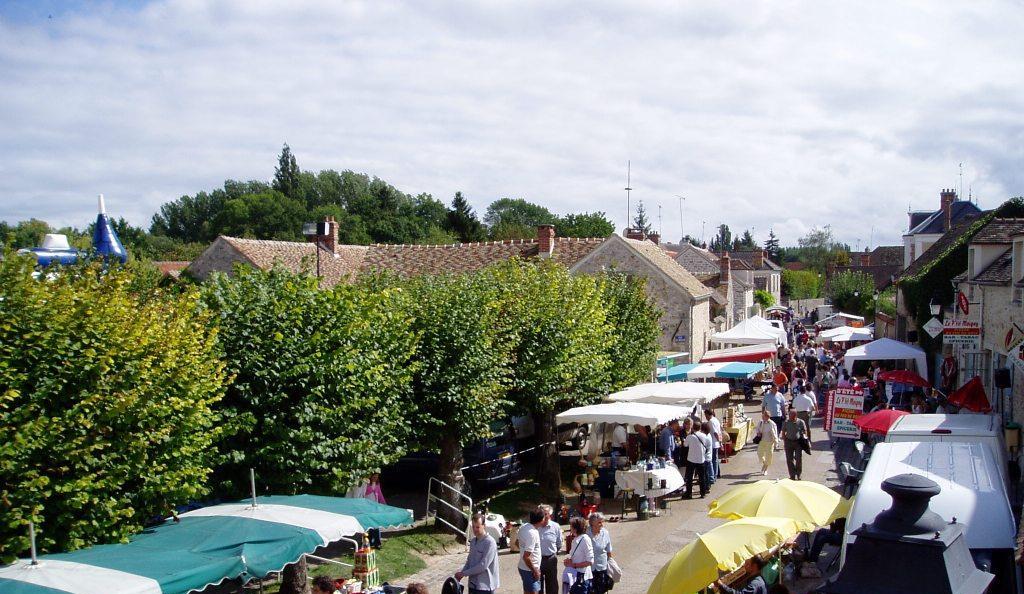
[(853, 291), (587, 224), (801, 284)]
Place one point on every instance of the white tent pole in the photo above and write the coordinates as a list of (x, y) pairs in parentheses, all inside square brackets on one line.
[(32, 541), (252, 485)]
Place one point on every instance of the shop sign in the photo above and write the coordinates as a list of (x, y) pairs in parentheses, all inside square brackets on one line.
[(962, 333), (679, 338), (844, 406), (1014, 336), (962, 303), (933, 327)]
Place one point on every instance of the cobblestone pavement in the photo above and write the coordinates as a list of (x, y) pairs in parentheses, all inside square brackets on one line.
[(642, 548)]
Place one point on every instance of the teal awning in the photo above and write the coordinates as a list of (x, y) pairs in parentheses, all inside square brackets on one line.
[(693, 371), (205, 547)]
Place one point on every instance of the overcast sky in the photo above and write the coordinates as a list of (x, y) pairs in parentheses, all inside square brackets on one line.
[(776, 115)]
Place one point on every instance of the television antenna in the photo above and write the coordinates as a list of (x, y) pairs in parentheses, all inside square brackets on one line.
[(682, 234), (628, 189), (661, 226)]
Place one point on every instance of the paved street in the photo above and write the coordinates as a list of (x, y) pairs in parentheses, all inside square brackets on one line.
[(643, 547)]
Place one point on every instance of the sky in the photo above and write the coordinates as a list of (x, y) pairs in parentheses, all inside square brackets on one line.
[(779, 116)]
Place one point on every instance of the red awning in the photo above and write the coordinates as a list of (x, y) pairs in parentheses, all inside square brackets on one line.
[(754, 353), (971, 396)]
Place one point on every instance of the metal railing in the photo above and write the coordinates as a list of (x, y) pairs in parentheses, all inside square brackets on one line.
[(437, 498)]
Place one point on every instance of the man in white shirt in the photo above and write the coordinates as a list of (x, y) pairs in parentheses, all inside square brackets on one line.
[(775, 404), (805, 406), (529, 546), (716, 444), (697, 444), (620, 439), (550, 545)]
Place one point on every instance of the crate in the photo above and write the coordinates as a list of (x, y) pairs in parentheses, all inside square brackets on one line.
[(365, 559), (370, 579)]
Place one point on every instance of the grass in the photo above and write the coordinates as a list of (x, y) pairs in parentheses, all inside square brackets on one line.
[(401, 556), (516, 502)]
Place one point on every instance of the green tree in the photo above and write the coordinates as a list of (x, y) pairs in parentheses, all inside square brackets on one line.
[(763, 298), (771, 246), (286, 174), (641, 221), (585, 224), (25, 234), (560, 346), (106, 403), (506, 212), (746, 241), (722, 241), (267, 215), (322, 380), (853, 292), (801, 284), (462, 221), (816, 248), (634, 324)]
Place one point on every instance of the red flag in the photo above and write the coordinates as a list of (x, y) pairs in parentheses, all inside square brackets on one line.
[(971, 396)]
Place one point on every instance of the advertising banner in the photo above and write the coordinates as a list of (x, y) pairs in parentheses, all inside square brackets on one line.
[(962, 333), (844, 405)]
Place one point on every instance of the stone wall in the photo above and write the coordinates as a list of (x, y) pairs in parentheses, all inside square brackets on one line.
[(219, 257), (679, 318)]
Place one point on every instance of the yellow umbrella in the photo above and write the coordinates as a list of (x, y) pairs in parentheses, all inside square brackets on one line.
[(842, 510), (723, 548), (809, 504)]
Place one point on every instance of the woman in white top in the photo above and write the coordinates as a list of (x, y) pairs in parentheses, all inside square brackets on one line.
[(581, 556), (769, 434)]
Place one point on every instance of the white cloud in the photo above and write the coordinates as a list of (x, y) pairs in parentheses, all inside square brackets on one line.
[(775, 115)]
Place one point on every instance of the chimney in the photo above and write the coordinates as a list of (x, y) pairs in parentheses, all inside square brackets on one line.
[(865, 258), (725, 267), (545, 240), (637, 234), (324, 234), (946, 200), (655, 237), (759, 259)]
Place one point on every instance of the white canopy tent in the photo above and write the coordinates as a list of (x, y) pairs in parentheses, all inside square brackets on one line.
[(623, 412), (753, 330), (886, 349), (848, 334), (839, 318), (671, 392)]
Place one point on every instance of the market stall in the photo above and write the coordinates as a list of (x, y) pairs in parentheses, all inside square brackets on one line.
[(233, 541), (841, 319), (886, 349), (848, 334), (755, 353), (671, 392), (753, 330), (712, 370)]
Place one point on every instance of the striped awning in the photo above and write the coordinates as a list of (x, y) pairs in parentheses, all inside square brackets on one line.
[(207, 546)]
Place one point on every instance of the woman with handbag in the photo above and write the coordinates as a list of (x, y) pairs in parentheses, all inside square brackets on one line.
[(766, 436), (581, 557)]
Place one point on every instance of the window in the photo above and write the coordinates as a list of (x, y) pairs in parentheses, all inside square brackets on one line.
[(971, 273)]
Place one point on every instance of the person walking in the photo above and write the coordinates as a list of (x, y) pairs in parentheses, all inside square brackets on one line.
[(768, 432), (794, 430), (550, 545), (775, 404), (529, 546), (581, 556), (667, 439), (696, 444), (481, 565), (805, 406), (716, 443), (602, 542)]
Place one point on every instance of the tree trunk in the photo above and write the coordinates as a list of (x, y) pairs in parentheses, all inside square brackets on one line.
[(449, 470), (293, 578), (549, 474)]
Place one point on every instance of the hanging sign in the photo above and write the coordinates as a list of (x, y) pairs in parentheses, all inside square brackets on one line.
[(1014, 336), (844, 406), (933, 327), (962, 333), (961, 302)]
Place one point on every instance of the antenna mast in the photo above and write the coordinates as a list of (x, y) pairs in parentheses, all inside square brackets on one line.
[(961, 196), (661, 227), (628, 190), (682, 234)]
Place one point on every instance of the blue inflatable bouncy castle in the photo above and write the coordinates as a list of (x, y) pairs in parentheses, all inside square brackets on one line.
[(105, 242)]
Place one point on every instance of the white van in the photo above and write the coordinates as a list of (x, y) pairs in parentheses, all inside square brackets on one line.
[(972, 492), (983, 429)]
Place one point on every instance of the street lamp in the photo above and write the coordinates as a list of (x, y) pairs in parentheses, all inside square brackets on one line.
[(935, 308)]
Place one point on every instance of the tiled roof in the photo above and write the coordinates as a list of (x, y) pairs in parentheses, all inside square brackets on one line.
[(918, 217), (999, 272), (697, 261), (659, 259), (887, 254), (748, 257), (720, 295), (171, 268), (934, 223), (300, 256), (410, 260), (939, 247), (999, 231), (737, 264), (739, 284)]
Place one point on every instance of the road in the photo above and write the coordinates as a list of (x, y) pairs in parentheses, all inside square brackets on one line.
[(643, 547)]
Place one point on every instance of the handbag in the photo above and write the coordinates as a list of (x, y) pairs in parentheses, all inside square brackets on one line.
[(579, 585), (614, 571)]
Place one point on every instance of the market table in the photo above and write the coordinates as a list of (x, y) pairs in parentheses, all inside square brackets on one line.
[(740, 433), (637, 480)]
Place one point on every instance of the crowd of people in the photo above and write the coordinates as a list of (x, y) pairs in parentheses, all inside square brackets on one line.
[(585, 568)]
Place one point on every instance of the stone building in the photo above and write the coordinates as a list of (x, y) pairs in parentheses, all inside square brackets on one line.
[(926, 227), (684, 301), (732, 280)]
